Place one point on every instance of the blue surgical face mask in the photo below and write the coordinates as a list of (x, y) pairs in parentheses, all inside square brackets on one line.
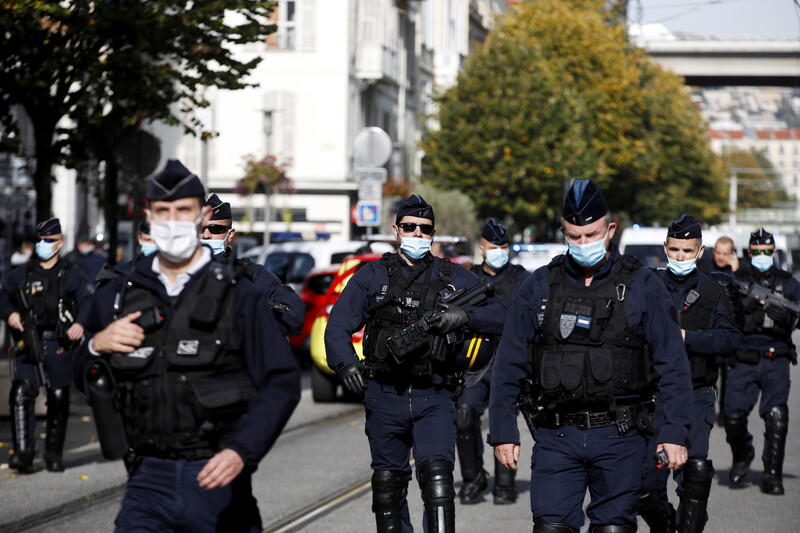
[(149, 248), (762, 263), (415, 248), (496, 258), (588, 255), (217, 245), (681, 268), (45, 250)]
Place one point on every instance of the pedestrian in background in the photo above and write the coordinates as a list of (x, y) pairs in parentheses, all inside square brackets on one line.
[(586, 330), (205, 380)]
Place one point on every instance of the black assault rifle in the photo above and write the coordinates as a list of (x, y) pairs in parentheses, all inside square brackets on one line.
[(29, 340), (772, 301), (419, 333)]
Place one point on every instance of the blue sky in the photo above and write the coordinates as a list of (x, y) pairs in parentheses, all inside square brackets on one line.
[(721, 18)]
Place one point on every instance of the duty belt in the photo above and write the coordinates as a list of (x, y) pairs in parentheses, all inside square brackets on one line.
[(624, 417)]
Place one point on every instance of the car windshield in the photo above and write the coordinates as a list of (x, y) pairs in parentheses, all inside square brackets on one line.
[(651, 255)]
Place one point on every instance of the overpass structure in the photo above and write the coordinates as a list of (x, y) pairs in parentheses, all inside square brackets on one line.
[(708, 63)]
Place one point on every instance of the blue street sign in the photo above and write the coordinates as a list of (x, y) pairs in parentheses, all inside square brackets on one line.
[(368, 213)]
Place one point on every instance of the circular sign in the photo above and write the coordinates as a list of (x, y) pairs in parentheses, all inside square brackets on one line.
[(372, 147)]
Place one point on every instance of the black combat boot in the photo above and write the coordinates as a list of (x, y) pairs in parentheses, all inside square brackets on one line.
[(468, 439), (436, 481), (57, 417), (743, 454), (776, 425), (505, 490), (659, 517), (22, 426), (698, 475)]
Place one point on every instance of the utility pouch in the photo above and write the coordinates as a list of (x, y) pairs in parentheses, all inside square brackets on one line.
[(747, 357)]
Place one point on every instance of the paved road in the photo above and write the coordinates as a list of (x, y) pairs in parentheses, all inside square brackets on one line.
[(313, 462)]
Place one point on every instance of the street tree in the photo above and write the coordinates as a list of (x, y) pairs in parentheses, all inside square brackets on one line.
[(758, 185), (99, 68), (557, 93)]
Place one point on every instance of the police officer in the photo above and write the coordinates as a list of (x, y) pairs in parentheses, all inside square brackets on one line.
[(57, 297), (507, 279), (408, 395), (595, 323), (762, 363), (205, 380), (710, 318), (289, 309)]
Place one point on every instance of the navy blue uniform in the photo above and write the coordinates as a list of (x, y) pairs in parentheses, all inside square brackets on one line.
[(402, 414), (58, 366), (291, 310), (611, 462), (721, 338), (162, 490)]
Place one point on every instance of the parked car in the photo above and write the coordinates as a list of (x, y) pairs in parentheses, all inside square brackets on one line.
[(315, 287), (534, 255)]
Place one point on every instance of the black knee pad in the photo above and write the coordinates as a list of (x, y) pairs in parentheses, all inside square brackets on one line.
[(436, 480), (735, 427), (776, 421), (466, 416), (21, 392), (388, 490), (698, 474)]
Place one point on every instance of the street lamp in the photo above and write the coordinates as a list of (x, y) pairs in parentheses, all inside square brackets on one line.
[(267, 134)]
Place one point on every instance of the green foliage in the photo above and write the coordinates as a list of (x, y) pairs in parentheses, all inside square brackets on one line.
[(757, 186), (263, 175), (555, 94), (455, 211)]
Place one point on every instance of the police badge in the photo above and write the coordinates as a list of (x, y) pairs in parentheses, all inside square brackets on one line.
[(566, 324)]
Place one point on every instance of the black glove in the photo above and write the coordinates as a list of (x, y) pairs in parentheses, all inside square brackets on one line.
[(449, 319), (351, 378), (777, 313)]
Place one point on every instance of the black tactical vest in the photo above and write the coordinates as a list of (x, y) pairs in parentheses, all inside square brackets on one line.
[(400, 304), (48, 294), (507, 285), (757, 320), (697, 312), (585, 352), (185, 387)]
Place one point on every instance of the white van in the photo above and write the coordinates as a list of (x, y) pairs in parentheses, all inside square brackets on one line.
[(647, 244)]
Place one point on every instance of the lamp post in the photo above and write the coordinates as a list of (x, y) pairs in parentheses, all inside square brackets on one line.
[(267, 135)]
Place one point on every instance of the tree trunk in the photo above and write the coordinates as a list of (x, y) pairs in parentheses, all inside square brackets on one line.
[(111, 208)]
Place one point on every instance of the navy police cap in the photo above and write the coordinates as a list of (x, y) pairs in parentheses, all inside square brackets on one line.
[(761, 236), (584, 203), (495, 232), (49, 227), (414, 206), (219, 210), (685, 227), (174, 182)]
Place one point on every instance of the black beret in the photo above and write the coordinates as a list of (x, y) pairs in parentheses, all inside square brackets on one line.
[(144, 227), (414, 206), (174, 182), (495, 232), (761, 236), (219, 210), (686, 227), (584, 203), (48, 227)]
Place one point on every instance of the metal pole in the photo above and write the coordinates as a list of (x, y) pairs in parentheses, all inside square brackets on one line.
[(732, 201)]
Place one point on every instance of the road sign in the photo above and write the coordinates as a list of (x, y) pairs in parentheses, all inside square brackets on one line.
[(370, 183), (372, 147), (368, 213)]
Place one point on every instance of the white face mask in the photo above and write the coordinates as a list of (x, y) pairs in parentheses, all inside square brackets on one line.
[(496, 258), (176, 240)]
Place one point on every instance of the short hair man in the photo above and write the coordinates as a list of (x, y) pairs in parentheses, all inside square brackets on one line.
[(209, 380), (564, 333)]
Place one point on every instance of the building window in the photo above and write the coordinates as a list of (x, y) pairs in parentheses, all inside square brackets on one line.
[(284, 16)]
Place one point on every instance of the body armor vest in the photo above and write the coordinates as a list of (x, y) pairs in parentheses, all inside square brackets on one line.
[(697, 312), (185, 387), (507, 285), (48, 294), (400, 303), (585, 352), (757, 321)]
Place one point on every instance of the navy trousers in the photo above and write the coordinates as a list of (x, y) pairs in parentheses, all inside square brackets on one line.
[(162, 495), (401, 419), (568, 460)]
